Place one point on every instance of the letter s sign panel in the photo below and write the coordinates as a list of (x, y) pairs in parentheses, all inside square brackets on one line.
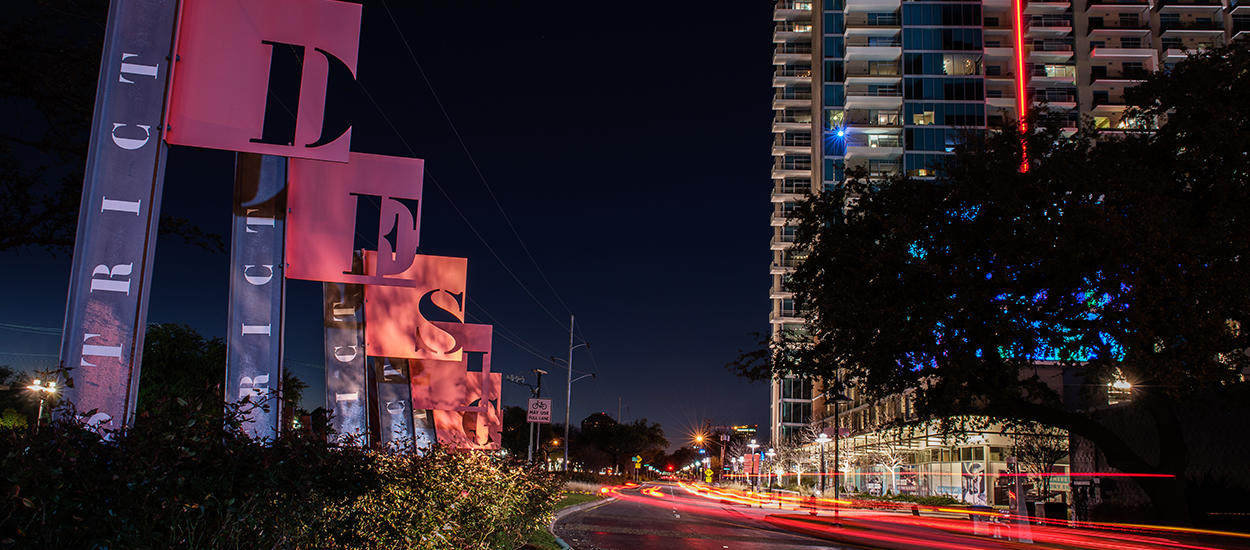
[(258, 76)]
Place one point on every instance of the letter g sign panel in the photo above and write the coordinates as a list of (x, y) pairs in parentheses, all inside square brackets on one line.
[(258, 76)]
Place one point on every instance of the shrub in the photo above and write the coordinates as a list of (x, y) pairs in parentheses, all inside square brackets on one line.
[(184, 476)]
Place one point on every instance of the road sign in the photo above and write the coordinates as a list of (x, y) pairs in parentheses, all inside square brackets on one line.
[(539, 411)]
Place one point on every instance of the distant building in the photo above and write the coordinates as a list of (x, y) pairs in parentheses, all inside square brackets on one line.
[(888, 85)]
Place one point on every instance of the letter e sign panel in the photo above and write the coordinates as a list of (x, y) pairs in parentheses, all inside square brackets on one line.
[(371, 203), (259, 76)]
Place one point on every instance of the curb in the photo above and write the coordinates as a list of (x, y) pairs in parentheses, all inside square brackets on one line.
[(572, 510)]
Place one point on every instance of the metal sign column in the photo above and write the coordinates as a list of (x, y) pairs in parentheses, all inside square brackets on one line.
[(257, 290), (106, 312)]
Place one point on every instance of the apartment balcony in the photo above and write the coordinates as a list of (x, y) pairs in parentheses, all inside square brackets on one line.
[(1038, 28), (1202, 29), (1045, 8), (775, 293), (998, 52), (787, 76), (790, 53), (1176, 55), (882, 149), (780, 150), (1120, 27), (789, 33), (1112, 103), (1147, 55), (1007, 102), (878, 49), (1167, 6), (785, 316), (790, 11), (784, 98), (1093, 4), (781, 267), (877, 6), (1240, 30), (788, 195), (880, 78), (860, 24), (1118, 78), (882, 97), (779, 218), (781, 242), (1049, 53), (1053, 76), (1055, 99)]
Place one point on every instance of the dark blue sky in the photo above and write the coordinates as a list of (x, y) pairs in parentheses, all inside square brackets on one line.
[(627, 144)]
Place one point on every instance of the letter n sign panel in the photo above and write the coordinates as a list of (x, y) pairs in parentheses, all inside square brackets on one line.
[(259, 76)]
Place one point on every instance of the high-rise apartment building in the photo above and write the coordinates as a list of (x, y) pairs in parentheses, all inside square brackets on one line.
[(889, 85)]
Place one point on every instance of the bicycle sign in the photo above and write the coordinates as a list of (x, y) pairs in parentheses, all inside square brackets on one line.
[(539, 411)]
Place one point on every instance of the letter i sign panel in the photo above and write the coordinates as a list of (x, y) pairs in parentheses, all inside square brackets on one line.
[(258, 76)]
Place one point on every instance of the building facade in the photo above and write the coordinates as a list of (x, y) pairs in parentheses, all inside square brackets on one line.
[(889, 85)]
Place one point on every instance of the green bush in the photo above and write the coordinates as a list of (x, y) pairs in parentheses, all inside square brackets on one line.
[(601, 479), (184, 477)]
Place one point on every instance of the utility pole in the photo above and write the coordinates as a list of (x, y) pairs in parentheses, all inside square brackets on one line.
[(568, 397)]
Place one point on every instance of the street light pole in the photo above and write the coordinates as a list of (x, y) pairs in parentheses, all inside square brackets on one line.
[(754, 462), (838, 400), (822, 439), (43, 390), (568, 397)]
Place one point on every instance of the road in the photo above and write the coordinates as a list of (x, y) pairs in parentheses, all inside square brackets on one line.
[(666, 517), (681, 516)]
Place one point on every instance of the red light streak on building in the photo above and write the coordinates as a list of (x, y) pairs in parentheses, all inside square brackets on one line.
[(1021, 97)]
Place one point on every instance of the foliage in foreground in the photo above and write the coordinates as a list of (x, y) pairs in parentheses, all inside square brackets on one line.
[(182, 478)]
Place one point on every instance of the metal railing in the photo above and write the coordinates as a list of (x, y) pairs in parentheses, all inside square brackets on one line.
[(879, 92), (1049, 22), (794, 48), (1131, 24), (1052, 97), (1119, 75), (792, 95), (1052, 47), (1192, 25), (795, 5), (879, 43), (801, 73)]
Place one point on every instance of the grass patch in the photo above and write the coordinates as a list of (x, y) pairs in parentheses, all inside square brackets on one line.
[(573, 499), (540, 538)]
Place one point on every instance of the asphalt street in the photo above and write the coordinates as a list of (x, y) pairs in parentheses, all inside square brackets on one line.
[(662, 516), (666, 517)]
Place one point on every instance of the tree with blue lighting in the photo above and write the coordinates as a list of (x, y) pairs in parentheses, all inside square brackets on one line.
[(1103, 257)]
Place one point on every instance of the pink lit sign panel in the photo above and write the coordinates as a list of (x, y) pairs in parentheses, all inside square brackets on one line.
[(371, 203), (394, 325), (259, 76)]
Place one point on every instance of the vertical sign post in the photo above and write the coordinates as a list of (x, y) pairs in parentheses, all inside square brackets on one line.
[(106, 312), (257, 290), (346, 393)]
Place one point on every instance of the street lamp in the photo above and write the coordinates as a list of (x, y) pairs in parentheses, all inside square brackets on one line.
[(753, 445), (822, 439), (44, 391)]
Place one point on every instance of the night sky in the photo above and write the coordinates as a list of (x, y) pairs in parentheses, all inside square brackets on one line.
[(628, 146)]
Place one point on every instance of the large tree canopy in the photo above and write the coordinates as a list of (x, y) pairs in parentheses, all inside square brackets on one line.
[(1114, 253)]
